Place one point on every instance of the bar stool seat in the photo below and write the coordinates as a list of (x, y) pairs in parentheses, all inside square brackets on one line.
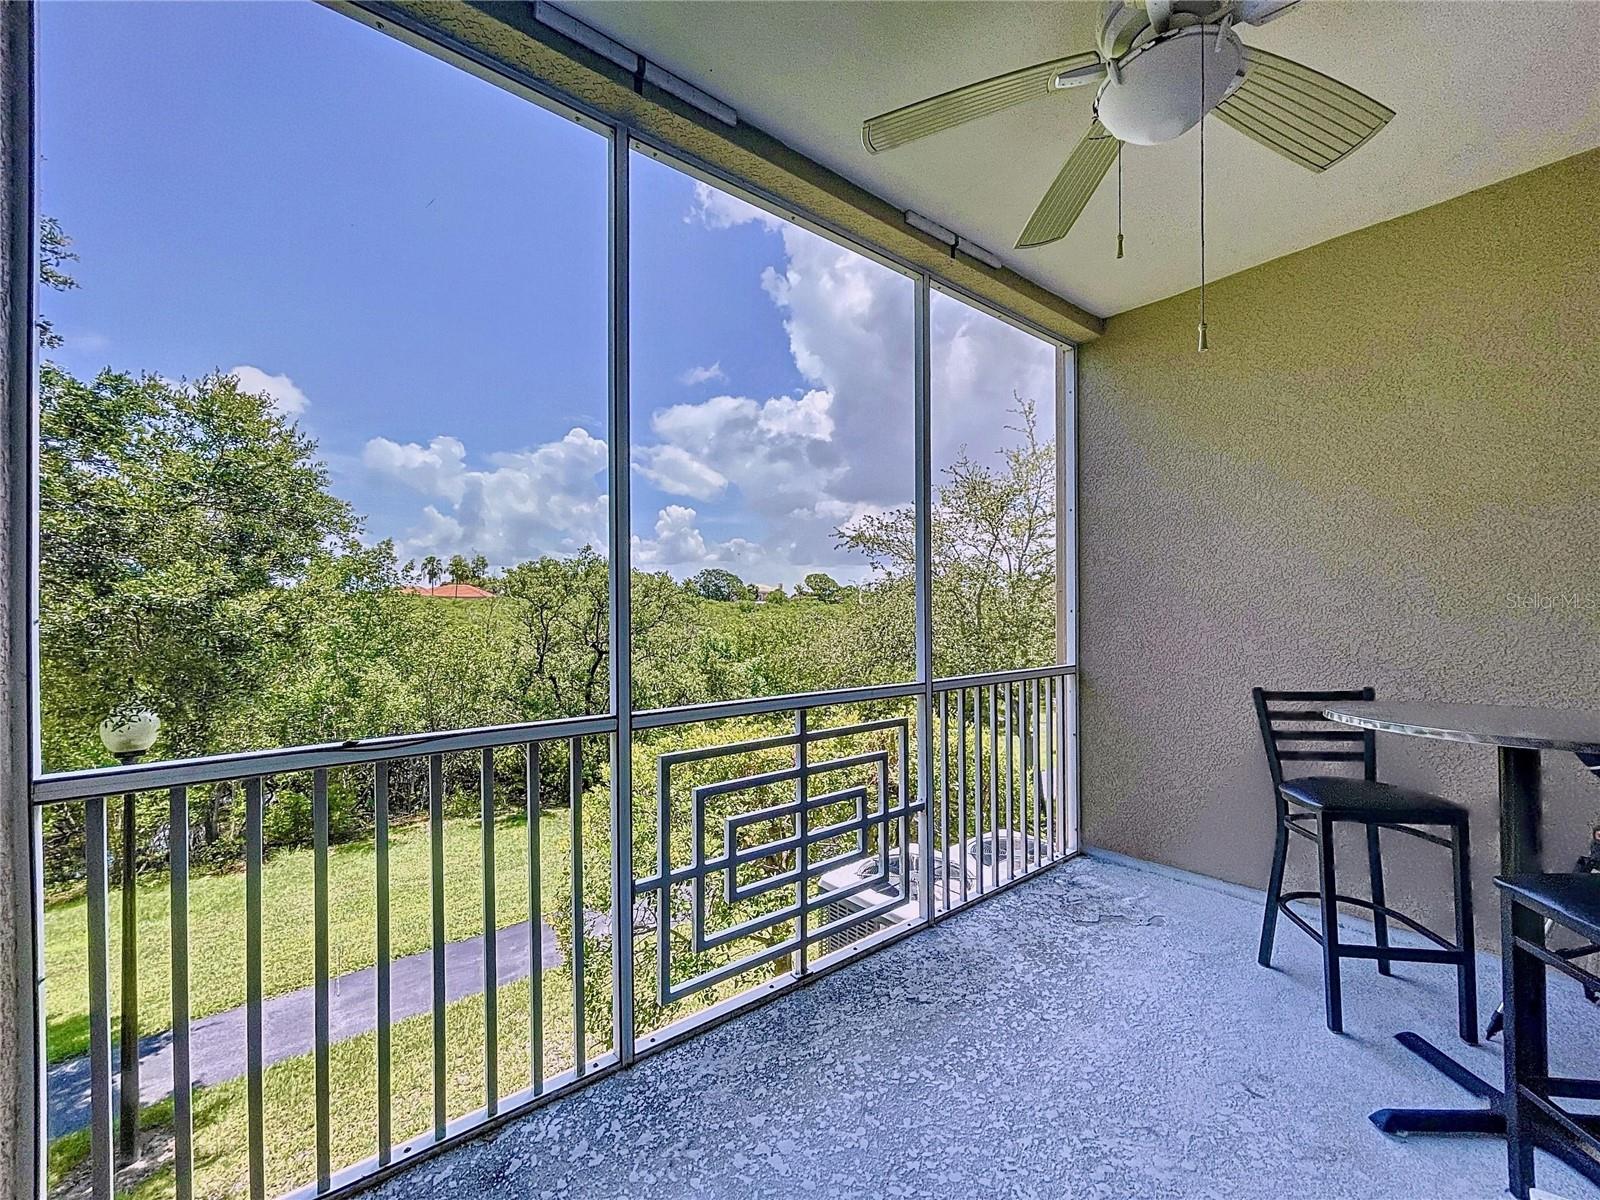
[(1570, 900), (1366, 799)]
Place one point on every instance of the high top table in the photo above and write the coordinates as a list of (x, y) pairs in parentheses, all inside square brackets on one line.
[(1521, 734)]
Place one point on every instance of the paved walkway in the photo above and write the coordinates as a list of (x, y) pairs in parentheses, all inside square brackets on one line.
[(217, 1042)]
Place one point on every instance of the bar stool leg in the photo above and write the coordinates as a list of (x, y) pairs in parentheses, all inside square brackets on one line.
[(1467, 968), (1380, 922), (1269, 918), (1330, 925), (1527, 1051)]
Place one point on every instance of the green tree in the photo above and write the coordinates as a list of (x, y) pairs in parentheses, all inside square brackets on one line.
[(823, 587), (55, 252), (174, 520), (432, 570), (714, 583), (460, 569), (562, 609), (993, 552)]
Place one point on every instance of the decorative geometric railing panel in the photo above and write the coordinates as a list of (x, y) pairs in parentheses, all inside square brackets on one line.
[(803, 858)]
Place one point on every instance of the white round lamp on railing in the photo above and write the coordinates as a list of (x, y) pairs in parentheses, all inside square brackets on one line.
[(128, 734)]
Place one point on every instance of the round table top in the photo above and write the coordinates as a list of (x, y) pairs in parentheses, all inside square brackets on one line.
[(1485, 724)]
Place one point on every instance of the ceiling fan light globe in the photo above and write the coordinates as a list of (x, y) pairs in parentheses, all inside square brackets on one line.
[(1155, 97)]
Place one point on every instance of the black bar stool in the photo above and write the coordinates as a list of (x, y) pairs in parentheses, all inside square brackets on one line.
[(1570, 902), (1293, 729)]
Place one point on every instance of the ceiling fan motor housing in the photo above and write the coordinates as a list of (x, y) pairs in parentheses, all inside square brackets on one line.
[(1153, 94)]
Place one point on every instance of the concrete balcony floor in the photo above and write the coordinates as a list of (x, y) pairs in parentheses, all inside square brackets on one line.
[(1101, 1032)]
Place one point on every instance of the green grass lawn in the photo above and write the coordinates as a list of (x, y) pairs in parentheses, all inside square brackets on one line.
[(216, 921), (220, 1112)]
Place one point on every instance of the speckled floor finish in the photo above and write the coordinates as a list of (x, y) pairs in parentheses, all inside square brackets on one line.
[(1101, 1032)]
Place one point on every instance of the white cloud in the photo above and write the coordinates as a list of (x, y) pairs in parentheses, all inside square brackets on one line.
[(678, 473), (698, 375), (437, 469), (778, 453), (551, 499), (681, 548), (785, 471), (287, 398), (677, 540), (716, 209)]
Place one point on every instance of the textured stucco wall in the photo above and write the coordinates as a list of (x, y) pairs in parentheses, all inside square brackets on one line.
[(1386, 470)]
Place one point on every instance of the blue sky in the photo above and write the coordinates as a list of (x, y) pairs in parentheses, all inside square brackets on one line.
[(413, 262)]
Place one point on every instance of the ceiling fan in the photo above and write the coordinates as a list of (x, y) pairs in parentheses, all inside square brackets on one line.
[(1161, 66)]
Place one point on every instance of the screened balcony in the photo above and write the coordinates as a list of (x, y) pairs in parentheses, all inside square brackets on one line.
[(674, 663)]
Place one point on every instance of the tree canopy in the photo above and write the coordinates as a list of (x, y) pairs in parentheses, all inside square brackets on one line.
[(823, 587), (993, 550), (714, 583), (176, 520)]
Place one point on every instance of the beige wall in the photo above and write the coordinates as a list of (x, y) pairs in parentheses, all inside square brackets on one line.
[(1386, 470)]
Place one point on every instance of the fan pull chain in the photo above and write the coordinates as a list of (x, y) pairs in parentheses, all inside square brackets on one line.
[(1202, 43), (1119, 199)]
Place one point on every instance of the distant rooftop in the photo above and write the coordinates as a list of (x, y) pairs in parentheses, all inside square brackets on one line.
[(453, 591)]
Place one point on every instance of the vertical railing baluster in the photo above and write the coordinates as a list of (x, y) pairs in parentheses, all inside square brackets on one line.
[(1069, 762), (100, 1122), (491, 972), (1028, 688), (1059, 775), (663, 867), (1011, 755), (319, 922), (1034, 765), (978, 786), (253, 851), (941, 844), (575, 799), (994, 780), (380, 805), (1047, 734), (436, 884), (1020, 749), (961, 787), (535, 930), (128, 989), (905, 818), (802, 886), (182, 1098)]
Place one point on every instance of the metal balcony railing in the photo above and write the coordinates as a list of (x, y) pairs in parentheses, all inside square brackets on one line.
[(794, 839)]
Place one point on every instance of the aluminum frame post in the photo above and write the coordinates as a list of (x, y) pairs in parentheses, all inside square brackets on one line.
[(923, 436)]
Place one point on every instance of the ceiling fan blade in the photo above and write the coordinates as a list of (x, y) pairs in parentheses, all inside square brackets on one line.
[(1304, 115), (968, 103), (1259, 12), (1071, 191)]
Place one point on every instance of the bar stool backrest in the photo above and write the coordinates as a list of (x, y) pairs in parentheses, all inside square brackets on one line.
[(1293, 729)]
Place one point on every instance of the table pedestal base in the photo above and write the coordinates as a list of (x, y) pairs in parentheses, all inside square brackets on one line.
[(1489, 1120)]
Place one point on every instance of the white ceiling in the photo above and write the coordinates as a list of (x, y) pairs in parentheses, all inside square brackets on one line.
[(1482, 91)]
